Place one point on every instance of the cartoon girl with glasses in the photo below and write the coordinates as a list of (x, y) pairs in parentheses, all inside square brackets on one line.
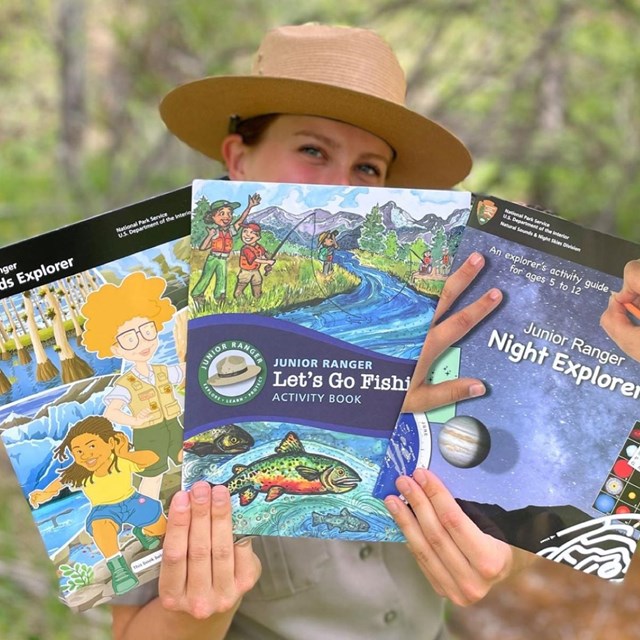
[(124, 321)]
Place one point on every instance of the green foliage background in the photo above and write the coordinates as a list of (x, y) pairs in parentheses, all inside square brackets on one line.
[(545, 94)]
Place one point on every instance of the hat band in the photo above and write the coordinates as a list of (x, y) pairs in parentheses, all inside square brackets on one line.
[(234, 374)]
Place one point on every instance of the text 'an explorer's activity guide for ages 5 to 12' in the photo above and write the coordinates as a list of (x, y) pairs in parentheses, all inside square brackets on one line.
[(549, 458)]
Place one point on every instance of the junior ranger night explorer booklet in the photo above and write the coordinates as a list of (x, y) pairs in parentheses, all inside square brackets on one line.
[(550, 456), (308, 307)]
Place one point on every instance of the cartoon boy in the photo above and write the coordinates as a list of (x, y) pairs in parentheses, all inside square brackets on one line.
[(328, 245), (219, 242), (102, 468), (252, 255), (125, 321)]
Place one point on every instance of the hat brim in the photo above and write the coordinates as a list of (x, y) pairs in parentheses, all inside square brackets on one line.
[(251, 372), (427, 155)]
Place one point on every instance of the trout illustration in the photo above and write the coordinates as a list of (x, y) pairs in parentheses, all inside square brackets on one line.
[(343, 521), (291, 470), (227, 439)]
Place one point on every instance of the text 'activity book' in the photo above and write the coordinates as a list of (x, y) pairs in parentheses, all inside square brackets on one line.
[(549, 458), (308, 308), (92, 388)]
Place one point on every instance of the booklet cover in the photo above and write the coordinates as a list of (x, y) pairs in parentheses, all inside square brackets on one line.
[(308, 308), (548, 459), (91, 385)]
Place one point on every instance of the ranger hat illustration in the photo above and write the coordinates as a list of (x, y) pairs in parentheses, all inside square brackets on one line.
[(327, 234), (232, 369), (218, 204)]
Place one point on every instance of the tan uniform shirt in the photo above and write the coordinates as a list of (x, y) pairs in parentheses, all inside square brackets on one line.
[(315, 589)]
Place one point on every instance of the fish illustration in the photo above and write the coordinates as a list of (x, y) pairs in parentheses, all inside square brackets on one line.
[(229, 438), (343, 521), (291, 470)]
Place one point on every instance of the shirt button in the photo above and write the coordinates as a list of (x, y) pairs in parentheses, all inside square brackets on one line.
[(365, 552), (390, 616)]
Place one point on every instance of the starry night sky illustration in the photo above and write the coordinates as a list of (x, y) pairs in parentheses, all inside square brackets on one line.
[(552, 442)]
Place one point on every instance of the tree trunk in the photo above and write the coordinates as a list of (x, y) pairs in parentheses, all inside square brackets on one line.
[(71, 50), (21, 352), (5, 385), (45, 369), (72, 367)]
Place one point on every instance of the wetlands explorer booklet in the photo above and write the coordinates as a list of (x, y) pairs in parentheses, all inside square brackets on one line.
[(92, 343), (308, 308), (549, 458)]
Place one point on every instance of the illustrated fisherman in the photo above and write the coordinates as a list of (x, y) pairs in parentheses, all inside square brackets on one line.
[(328, 245), (219, 242), (425, 263), (252, 256)]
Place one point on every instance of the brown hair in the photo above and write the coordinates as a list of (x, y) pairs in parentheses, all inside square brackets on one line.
[(76, 475), (252, 130)]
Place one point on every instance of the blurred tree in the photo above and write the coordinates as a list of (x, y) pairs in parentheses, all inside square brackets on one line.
[(544, 93), (70, 45)]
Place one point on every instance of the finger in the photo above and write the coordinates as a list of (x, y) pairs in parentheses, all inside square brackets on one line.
[(431, 543), (222, 548), (199, 569), (457, 282), (469, 541), (442, 336), (456, 326), (428, 561), (247, 564), (617, 324), (406, 521), (631, 282), (425, 397), (173, 570)]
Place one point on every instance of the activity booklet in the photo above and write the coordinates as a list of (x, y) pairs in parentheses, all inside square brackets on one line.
[(92, 342), (308, 309), (549, 458)]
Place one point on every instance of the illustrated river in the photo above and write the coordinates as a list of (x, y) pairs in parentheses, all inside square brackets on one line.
[(382, 314)]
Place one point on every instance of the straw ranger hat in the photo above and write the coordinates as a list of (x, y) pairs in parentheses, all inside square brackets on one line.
[(341, 73), (232, 369)]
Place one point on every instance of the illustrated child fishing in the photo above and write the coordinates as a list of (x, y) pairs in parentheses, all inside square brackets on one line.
[(328, 243)]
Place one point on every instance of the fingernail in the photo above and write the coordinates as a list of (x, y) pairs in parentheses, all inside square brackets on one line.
[(200, 492), (245, 541), (476, 390), (403, 485), (420, 476), (219, 495), (181, 500), (495, 294), (475, 259), (391, 505)]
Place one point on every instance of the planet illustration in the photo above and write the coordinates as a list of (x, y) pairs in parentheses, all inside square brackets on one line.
[(464, 442)]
